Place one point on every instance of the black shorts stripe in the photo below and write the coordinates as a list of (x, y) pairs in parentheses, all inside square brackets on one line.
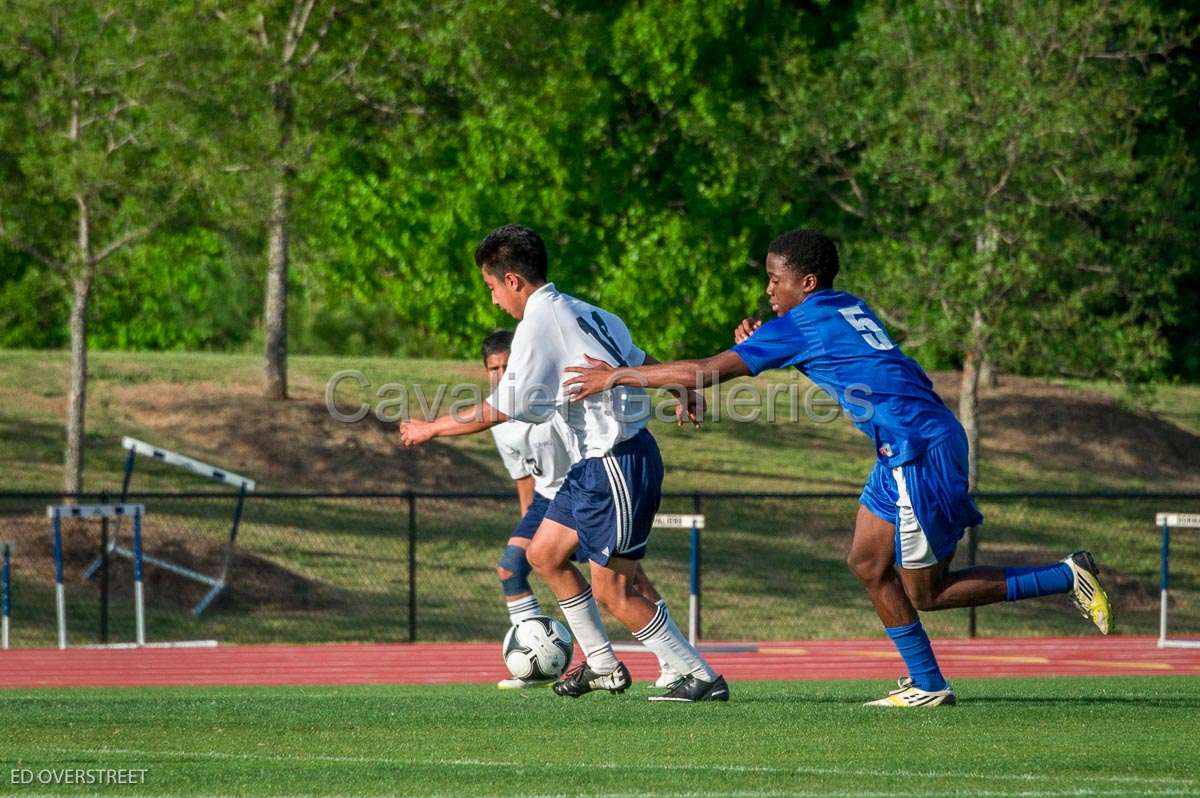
[(575, 601), (654, 627)]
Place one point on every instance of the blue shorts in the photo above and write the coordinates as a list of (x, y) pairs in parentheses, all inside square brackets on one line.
[(532, 519), (927, 500), (610, 501)]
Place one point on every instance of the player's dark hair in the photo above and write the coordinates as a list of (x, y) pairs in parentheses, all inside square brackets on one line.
[(808, 252), (513, 248), (496, 342)]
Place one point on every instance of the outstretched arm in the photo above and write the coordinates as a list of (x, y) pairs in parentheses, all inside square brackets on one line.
[(691, 402), (477, 419), (525, 493), (598, 376)]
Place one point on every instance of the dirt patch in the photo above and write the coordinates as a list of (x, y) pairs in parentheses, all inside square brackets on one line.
[(1068, 429), (295, 444), (255, 582)]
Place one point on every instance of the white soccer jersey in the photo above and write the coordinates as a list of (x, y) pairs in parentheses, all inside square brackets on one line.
[(535, 450), (556, 332)]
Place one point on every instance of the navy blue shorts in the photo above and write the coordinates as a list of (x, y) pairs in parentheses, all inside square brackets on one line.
[(927, 500), (532, 519), (610, 501)]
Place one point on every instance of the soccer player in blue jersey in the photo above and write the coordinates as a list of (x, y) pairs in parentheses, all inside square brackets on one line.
[(916, 505)]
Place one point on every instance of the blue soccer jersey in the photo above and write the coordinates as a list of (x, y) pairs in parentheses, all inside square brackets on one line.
[(835, 339)]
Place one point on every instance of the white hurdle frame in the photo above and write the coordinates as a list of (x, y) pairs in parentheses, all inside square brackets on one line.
[(183, 461), (244, 485), (1165, 521), (57, 513)]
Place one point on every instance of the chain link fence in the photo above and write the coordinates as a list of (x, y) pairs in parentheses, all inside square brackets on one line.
[(421, 567)]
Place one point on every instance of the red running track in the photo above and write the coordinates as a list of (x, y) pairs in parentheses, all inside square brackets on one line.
[(443, 663)]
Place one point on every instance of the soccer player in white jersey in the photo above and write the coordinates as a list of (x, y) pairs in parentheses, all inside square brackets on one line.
[(605, 508), (537, 457)]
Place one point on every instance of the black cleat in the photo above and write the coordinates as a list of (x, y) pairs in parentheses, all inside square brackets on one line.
[(584, 680), (689, 689)]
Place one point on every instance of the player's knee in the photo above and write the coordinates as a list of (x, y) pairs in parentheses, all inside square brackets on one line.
[(539, 559), (868, 570), (513, 571), (607, 591), (925, 597), (924, 602)]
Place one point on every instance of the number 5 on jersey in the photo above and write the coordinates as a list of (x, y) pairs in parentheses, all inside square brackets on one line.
[(872, 334)]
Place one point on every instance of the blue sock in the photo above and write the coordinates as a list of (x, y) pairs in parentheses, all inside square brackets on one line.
[(1045, 580), (913, 645)]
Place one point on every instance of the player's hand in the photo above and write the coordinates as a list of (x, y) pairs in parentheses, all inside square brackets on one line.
[(595, 377), (692, 408), (415, 431), (746, 329)]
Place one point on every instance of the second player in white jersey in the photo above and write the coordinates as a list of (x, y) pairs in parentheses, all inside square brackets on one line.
[(538, 451)]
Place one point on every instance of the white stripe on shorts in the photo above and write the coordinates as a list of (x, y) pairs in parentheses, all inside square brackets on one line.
[(915, 551), (624, 514)]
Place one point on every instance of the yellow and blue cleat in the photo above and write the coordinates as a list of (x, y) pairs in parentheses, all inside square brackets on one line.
[(1087, 594), (909, 696)]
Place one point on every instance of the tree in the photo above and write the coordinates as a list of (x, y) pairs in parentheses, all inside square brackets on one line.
[(637, 173), (292, 73), (1003, 199), (92, 144)]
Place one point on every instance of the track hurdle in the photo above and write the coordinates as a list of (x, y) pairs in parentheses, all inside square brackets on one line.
[(57, 513), (694, 523), (1166, 522), (5, 595), (216, 584)]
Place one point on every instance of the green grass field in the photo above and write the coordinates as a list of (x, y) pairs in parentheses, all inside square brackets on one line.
[(1029, 738)]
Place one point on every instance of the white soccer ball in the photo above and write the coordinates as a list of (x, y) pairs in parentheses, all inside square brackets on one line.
[(537, 648)]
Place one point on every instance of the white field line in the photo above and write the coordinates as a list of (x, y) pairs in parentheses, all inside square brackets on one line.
[(659, 766)]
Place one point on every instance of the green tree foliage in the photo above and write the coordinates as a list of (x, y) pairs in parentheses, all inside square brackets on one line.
[(1012, 158), (659, 146), (98, 154), (641, 178)]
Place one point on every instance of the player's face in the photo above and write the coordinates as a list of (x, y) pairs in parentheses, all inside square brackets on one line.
[(785, 288), (496, 364), (504, 293)]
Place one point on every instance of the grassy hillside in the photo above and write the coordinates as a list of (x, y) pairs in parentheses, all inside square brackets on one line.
[(1036, 435), (338, 569)]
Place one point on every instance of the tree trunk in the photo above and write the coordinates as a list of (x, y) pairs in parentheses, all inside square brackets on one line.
[(77, 390), (988, 377), (275, 312), (968, 399)]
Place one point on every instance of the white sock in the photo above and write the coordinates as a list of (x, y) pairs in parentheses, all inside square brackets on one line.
[(583, 616), (522, 608), (663, 637), (663, 665)]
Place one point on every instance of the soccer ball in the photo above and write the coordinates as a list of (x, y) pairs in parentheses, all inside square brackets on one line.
[(537, 648)]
